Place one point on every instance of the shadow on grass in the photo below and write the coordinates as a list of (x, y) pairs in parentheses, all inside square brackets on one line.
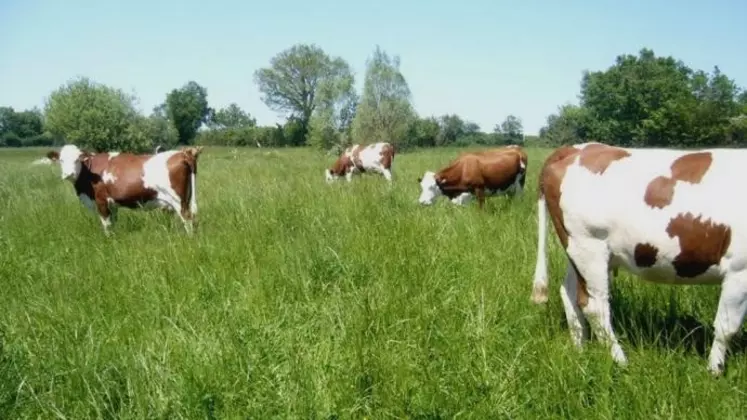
[(647, 325)]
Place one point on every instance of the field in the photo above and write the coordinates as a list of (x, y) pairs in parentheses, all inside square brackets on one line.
[(298, 299)]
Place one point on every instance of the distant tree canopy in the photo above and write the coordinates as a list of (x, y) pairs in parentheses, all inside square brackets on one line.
[(641, 100), (652, 101)]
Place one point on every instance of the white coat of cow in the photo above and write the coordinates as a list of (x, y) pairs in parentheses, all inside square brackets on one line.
[(667, 216)]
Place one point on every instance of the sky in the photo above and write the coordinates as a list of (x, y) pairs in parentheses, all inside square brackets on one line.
[(480, 59)]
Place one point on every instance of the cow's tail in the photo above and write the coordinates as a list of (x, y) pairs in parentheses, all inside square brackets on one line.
[(192, 154), (540, 285), (522, 171)]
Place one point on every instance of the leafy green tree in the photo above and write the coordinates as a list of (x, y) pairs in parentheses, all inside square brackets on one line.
[(510, 131), (95, 116), (187, 108), (299, 79), (570, 125), (424, 132), (233, 116), (385, 111), (330, 124)]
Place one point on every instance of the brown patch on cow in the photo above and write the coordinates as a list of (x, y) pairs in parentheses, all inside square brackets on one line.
[(128, 189), (386, 156), (645, 255), (690, 168), (340, 166), (582, 293), (551, 176), (598, 157), (702, 243), (53, 156)]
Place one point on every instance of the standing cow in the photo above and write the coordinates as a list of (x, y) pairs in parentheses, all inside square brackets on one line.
[(105, 181), (484, 173), (668, 216), (376, 157)]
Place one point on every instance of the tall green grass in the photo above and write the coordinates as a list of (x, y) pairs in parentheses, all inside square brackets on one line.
[(298, 299)]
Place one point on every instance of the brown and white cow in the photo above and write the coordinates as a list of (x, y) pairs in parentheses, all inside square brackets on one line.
[(358, 158), (668, 216), (105, 181), (484, 173)]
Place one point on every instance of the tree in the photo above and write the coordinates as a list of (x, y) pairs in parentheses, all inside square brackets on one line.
[(424, 132), (233, 116), (94, 116), (570, 125), (296, 77), (330, 124), (24, 124), (510, 130), (187, 108), (385, 112)]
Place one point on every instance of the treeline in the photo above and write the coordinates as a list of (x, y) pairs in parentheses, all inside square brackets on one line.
[(649, 101), (641, 100)]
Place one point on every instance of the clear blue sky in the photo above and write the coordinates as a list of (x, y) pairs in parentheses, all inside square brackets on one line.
[(481, 59)]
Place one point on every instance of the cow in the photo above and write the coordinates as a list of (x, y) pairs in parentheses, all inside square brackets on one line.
[(105, 181), (359, 158), (484, 173), (667, 216), (49, 159)]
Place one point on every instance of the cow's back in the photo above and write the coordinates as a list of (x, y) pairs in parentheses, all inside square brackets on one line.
[(496, 171)]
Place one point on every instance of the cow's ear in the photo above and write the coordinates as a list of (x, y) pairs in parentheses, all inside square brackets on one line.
[(420, 179), (53, 156), (85, 157)]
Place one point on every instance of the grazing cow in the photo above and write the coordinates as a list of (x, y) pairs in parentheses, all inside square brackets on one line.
[(667, 216), (51, 158), (489, 172), (358, 158), (105, 181)]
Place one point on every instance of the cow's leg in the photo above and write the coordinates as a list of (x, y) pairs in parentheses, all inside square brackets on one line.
[(480, 194), (187, 217), (349, 175), (591, 260), (102, 205), (732, 306), (461, 199), (540, 283), (387, 174), (193, 198), (573, 314), (180, 205)]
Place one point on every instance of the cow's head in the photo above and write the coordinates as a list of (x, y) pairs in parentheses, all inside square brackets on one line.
[(429, 190), (53, 156), (338, 169), (71, 160)]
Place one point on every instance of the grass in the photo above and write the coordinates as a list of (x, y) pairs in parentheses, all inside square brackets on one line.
[(301, 300)]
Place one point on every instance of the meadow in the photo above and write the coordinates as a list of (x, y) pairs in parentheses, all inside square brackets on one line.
[(298, 299)]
